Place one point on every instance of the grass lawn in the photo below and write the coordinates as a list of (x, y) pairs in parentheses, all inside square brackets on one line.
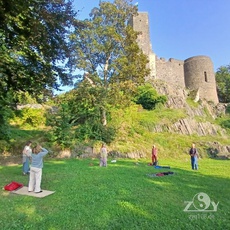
[(120, 196)]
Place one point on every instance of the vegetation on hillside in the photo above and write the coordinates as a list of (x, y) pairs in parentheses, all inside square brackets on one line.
[(133, 132)]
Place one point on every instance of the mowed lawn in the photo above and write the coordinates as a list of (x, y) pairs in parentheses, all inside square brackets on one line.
[(121, 196)]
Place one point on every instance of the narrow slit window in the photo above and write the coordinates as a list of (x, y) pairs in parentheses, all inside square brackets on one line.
[(205, 76)]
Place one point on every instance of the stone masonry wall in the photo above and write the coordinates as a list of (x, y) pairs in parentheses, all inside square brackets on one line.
[(171, 71)]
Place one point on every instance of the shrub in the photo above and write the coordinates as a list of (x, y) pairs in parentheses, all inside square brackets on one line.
[(95, 131), (4, 146), (147, 96), (225, 124)]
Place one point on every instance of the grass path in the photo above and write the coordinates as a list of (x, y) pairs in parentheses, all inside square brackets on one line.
[(120, 196)]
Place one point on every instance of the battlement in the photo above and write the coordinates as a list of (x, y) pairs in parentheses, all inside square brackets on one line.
[(172, 60)]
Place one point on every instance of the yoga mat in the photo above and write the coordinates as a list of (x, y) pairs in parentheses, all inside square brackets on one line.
[(24, 191), (161, 167), (160, 174)]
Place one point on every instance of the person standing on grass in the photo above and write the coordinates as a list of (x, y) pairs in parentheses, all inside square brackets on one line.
[(103, 155), (154, 156), (194, 157), (26, 154), (36, 169)]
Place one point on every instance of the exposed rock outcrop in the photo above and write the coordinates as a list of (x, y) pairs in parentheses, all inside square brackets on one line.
[(189, 125), (216, 150)]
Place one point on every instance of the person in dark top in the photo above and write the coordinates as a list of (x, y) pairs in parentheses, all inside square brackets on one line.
[(194, 157)]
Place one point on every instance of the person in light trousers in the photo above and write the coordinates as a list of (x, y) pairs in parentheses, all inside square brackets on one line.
[(36, 169)]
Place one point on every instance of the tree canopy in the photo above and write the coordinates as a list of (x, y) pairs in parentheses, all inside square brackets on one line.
[(105, 48), (34, 45), (33, 51)]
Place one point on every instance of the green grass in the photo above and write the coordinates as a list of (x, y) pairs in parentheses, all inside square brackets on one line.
[(120, 196), (190, 101), (224, 122)]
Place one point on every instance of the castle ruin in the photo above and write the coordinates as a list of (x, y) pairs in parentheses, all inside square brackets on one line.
[(195, 73)]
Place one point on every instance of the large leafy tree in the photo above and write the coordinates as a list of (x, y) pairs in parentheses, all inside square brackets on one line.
[(33, 46), (223, 83), (106, 50)]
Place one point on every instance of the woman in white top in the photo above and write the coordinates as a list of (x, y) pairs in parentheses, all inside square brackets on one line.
[(26, 154)]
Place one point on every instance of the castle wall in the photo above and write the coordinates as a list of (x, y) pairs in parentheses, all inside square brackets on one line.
[(199, 75), (152, 66), (171, 71)]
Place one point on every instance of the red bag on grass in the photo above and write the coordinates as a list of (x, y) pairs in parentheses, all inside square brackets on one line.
[(13, 186)]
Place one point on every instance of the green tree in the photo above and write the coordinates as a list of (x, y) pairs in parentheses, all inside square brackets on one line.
[(79, 113), (106, 50), (33, 45), (223, 83), (33, 48)]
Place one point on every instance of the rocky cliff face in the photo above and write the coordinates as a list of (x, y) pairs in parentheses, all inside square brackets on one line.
[(196, 120), (189, 125)]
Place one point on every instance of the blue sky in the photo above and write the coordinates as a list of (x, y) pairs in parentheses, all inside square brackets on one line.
[(183, 28)]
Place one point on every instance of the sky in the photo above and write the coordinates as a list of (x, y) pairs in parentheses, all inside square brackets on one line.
[(182, 29)]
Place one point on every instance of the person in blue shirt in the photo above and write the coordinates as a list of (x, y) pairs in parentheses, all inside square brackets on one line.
[(36, 169)]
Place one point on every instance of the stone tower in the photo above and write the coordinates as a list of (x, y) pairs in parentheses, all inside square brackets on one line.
[(199, 75), (140, 23)]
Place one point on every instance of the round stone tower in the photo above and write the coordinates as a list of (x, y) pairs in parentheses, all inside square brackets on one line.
[(199, 75)]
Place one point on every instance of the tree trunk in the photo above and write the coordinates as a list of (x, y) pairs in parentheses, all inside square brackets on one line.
[(104, 119)]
